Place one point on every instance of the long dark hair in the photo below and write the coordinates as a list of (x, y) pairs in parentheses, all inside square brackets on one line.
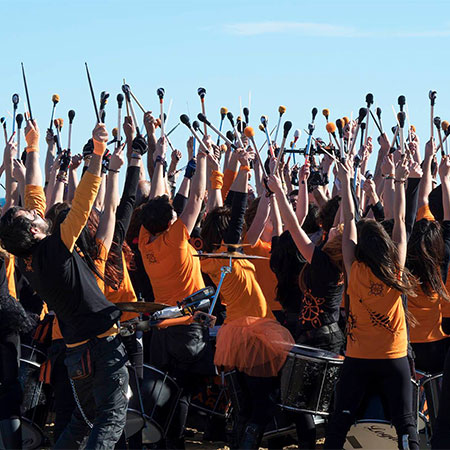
[(425, 256), (377, 250), (214, 227), (287, 263)]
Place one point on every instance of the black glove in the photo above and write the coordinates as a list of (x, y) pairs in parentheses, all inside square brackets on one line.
[(139, 145), (105, 161), (190, 169), (65, 161), (88, 149)]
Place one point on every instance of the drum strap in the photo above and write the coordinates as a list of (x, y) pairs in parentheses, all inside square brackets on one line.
[(77, 401), (46, 371)]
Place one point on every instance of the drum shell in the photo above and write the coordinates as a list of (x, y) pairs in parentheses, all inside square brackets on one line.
[(160, 395), (308, 380)]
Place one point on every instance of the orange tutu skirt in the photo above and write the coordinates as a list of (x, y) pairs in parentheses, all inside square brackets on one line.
[(253, 345)]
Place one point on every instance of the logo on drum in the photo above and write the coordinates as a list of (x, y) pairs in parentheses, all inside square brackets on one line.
[(381, 433)]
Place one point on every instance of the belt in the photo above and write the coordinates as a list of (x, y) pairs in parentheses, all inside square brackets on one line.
[(322, 331)]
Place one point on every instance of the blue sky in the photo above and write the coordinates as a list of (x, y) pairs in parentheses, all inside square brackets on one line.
[(300, 54)]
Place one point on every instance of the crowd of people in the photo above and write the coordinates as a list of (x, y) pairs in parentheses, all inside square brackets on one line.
[(323, 253)]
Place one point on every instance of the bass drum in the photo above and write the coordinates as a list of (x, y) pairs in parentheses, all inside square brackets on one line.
[(160, 395)]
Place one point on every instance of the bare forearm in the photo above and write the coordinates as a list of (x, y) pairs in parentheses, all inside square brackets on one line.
[(49, 160), (33, 175), (72, 186)]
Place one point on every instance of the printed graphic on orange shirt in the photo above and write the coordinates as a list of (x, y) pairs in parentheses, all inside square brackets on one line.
[(151, 257), (311, 309), (376, 289), (350, 326), (378, 319)]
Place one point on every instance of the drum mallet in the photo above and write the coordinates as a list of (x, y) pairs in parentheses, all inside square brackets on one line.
[(233, 124), (401, 118), (119, 99), (361, 115), (297, 134), (246, 115), (378, 111), (55, 101), (432, 97), (331, 128), (340, 128), (201, 93), (186, 121), (281, 110), (264, 122), (223, 113), (311, 128), (3, 122), (19, 120), (369, 102), (250, 133), (160, 93), (103, 101), (127, 91), (203, 119), (437, 123), (71, 115), (286, 128), (15, 101)]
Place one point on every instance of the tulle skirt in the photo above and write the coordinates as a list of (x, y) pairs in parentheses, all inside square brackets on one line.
[(253, 345)]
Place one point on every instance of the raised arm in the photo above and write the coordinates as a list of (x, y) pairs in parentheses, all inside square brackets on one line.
[(388, 190), (107, 223), (150, 127), (50, 155), (301, 239), (11, 186), (215, 182), (426, 183), (86, 191), (349, 236), (198, 186), (73, 177), (303, 198), (399, 231), (158, 186), (259, 221)]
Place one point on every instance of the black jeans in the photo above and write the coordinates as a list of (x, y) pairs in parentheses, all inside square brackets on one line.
[(102, 396), (329, 338), (392, 378)]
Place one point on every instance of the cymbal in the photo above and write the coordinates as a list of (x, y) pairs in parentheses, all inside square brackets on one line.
[(141, 307), (234, 245), (228, 255)]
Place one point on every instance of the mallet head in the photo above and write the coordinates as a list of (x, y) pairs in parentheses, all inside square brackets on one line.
[(230, 136), (314, 113), (369, 99), (71, 115), (201, 92), (249, 132), (286, 128), (115, 132), (184, 118), (55, 99), (246, 113), (362, 113), (331, 127), (444, 125), (261, 127), (401, 117), (202, 118), (378, 112), (195, 125), (281, 109), (126, 90), (437, 122), (119, 99), (223, 112), (326, 113), (401, 101), (19, 120), (264, 121), (297, 133), (432, 97), (346, 120), (160, 93), (340, 127), (15, 100)]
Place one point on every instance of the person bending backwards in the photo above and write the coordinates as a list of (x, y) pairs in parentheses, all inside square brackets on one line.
[(95, 356)]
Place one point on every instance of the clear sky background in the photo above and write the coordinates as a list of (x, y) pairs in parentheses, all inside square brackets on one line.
[(300, 54)]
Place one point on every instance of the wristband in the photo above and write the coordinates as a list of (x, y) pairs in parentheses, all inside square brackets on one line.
[(113, 170), (245, 168), (31, 149), (32, 138), (216, 180), (99, 147)]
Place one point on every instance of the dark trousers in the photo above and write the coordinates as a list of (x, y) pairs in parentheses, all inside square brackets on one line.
[(101, 397), (429, 357), (64, 403), (391, 377)]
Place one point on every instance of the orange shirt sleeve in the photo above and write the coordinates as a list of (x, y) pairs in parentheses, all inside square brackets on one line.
[(35, 199), (81, 208), (424, 212), (228, 179), (100, 264)]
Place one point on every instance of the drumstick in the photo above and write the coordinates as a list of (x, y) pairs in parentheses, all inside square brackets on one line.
[(71, 115), (223, 113), (331, 128), (437, 123), (26, 93), (92, 93), (126, 98), (369, 102), (361, 115), (281, 110), (15, 101), (264, 122), (137, 102), (186, 121), (236, 133), (203, 119), (3, 122)]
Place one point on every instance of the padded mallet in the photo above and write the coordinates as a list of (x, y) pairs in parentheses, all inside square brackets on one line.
[(15, 102), (184, 119), (203, 119), (286, 128), (281, 110), (201, 93), (71, 115), (437, 123), (223, 113), (369, 102), (331, 128), (19, 120), (432, 97), (30, 116), (160, 93), (55, 101)]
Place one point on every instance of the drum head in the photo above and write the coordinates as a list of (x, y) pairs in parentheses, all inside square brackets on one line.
[(371, 435), (152, 432), (316, 353), (134, 424)]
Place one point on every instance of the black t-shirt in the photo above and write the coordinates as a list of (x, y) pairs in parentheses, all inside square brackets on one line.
[(69, 288), (323, 296)]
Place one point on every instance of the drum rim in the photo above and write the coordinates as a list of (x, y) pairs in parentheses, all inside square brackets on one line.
[(428, 378), (325, 355), (309, 411), (377, 421), (33, 363), (34, 349), (164, 374)]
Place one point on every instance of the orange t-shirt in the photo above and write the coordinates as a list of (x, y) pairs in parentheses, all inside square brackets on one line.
[(445, 306), (424, 212), (10, 271), (264, 275), (125, 293), (376, 327), (240, 291), (427, 311), (170, 264)]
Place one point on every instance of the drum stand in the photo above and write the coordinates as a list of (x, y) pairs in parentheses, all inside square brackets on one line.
[(224, 271)]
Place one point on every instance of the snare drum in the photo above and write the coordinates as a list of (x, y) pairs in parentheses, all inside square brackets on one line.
[(160, 395), (34, 408), (428, 404), (308, 380)]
